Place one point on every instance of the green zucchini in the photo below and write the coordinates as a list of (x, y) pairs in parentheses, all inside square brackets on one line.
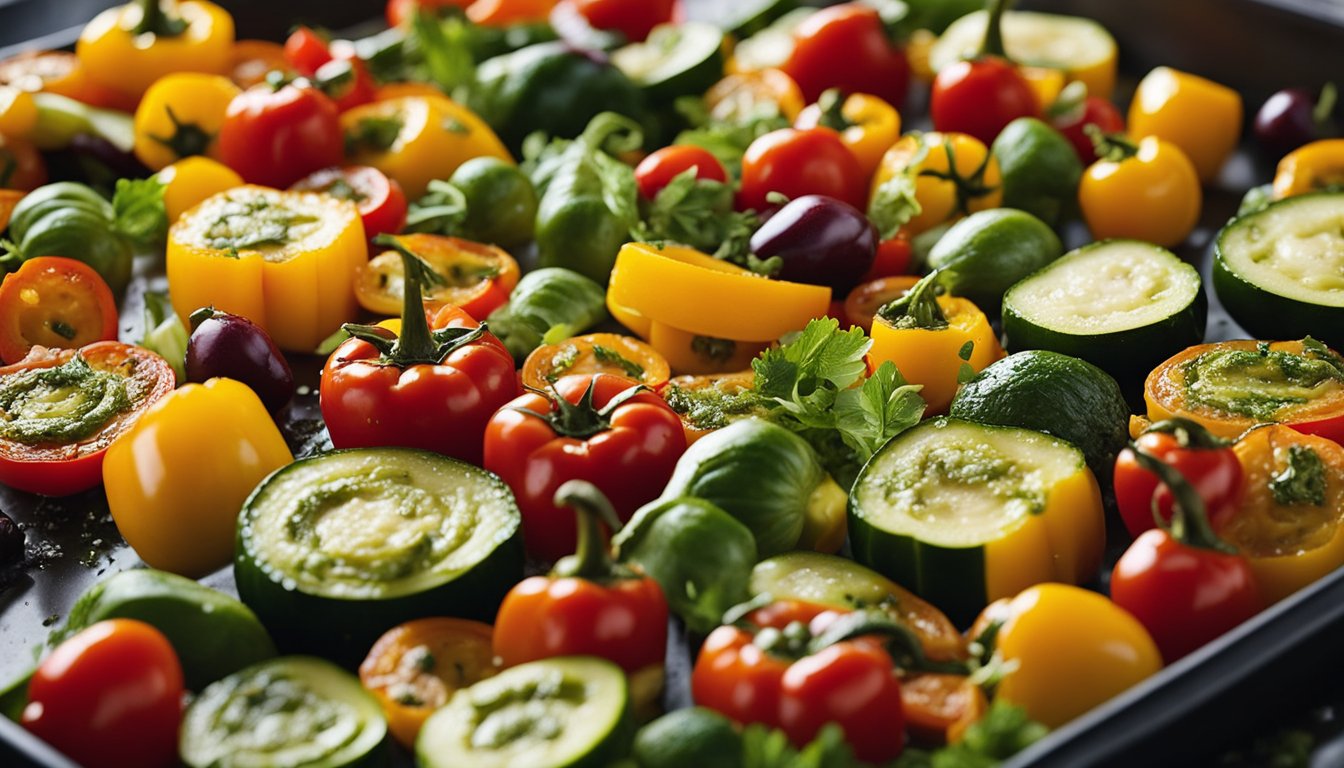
[(335, 549), (1280, 271), (565, 712), (963, 513), (676, 60), (291, 712), (742, 18), (1122, 305)]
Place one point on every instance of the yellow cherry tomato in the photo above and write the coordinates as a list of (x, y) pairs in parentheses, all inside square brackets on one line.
[(1200, 116), (191, 180), (416, 139), (1070, 650), (867, 125), (180, 116), (1309, 168), (18, 112), (951, 175), (128, 47), (1149, 191), (176, 480)]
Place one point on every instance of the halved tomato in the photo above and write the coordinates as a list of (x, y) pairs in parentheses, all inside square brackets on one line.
[(382, 204), (476, 277), (595, 353), (55, 302)]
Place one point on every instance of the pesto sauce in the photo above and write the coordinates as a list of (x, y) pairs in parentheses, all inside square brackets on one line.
[(1259, 383), (711, 407), (252, 223), (62, 404), (271, 712)]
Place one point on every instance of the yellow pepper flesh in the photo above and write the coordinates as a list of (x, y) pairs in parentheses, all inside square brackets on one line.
[(115, 56), (941, 200), (1309, 168), (177, 480), (180, 116), (871, 126), (189, 181), (18, 113), (931, 358), (1200, 116)]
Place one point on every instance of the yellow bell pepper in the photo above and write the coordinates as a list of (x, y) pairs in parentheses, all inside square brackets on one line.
[(176, 480), (741, 95), (1309, 168), (416, 139), (867, 125), (690, 353), (128, 47), (1046, 82), (925, 343), (18, 113), (704, 296), (180, 116), (189, 181), (284, 260), (1068, 650), (944, 191), (1291, 541), (1200, 116)]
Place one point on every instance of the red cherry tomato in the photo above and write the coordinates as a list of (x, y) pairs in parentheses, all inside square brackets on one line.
[(1214, 472), (1093, 111), (382, 204), (109, 697), (632, 18), (797, 162), (276, 137), (847, 47), (658, 169), (893, 258), (56, 302), (346, 81), (979, 97), (306, 50)]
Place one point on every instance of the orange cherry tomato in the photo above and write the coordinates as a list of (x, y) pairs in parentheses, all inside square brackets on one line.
[(476, 277), (55, 302), (595, 353)]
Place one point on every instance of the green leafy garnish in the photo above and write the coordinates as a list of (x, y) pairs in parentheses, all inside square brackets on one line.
[(1302, 481), (446, 49), (612, 357), (374, 133), (764, 747), (561, 362), (727, 140), (711, 407), (893, 205), (1004, 731), (140, 213), (699, 213)]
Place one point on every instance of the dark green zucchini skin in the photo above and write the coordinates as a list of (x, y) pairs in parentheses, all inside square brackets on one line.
[(952, 579)]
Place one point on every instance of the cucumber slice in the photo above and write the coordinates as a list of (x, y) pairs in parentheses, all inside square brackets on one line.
[(567, 712), (676, 60), (1280, 271), (742, 18), (1122, 305), (1081, 47), (335, 549), (964, 513), (772, 46), (292, 712)]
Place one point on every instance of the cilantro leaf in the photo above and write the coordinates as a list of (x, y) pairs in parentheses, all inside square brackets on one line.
[(699, 213), (882, 408), (764, 747), (1004, 731), (140, 213), (893, 205)]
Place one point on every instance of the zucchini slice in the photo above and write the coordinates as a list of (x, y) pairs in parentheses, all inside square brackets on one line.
[(335, 549), (676, 60), (1280, 271), (566, 712), (963, 514), (1122, 305), (295, 712)]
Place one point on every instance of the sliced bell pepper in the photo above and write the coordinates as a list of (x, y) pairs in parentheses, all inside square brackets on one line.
[(1309, 168), (128, 47), (180, 116), (867, 125), (1200, 116), (284, 260), (415, 139)]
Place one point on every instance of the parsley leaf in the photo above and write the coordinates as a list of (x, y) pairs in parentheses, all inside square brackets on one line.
[(699, 213), (893, 205), (1004, 731), (764, 747), (885, 405), (1302, 481), (140, 214)]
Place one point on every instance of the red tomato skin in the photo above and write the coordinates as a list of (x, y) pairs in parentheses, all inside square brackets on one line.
[(630, 463), (400, 11), (847, 47), (1216, 475), (893, 258), (979, 97), (109, 697), (306, 51), (442, 408), (275, 138), (797, 162), (736, 678), (383, 207), (852, 684), (1184, 596), (658, 169), (632, 18), (623, 621), (1331, 428), (1095, 111)]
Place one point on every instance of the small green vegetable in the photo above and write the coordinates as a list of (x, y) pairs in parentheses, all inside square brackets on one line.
[(699, 213), (165, 333), (547, 306)]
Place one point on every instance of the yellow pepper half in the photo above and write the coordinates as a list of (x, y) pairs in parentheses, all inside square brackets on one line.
[(18, 113), (284, 260), (741, 95), (701, 295), (1289, 540), (867, 125), (1310, 168), (180, 116), (128, 47), (944, 190), (1199, 116), (189, 181), (416, 139), (176, 481)]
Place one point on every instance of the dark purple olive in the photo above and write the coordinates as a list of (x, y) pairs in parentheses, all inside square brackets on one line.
[(228, 345), (1293, 117), (821, 240), (11, 541)]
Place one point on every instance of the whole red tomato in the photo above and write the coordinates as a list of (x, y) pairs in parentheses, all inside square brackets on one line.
[(109, 697), (306, 50), (632, 18), (797, 162), (1206, 462), (1183, 595), (979, 97), (847, 47), (1092, 111), (275, 136), (382, 204), (622, 441), (659, 168)]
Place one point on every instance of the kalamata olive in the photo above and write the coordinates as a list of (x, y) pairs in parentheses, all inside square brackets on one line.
[(228, 345), (821, 240), (1293, 117), (11, 541)]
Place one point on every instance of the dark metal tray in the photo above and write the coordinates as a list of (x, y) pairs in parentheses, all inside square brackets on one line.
[(1278, 662)]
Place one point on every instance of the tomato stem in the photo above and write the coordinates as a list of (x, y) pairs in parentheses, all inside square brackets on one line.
[(967, 188), (155, 21), (832, 105), (918, 308), (592, 557), (582, 420), (1189, 518), (1113, 146), (993, 45)]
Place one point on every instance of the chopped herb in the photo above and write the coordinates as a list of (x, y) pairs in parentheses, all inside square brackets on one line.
[(562, 361), (376, 133), (711, 407), (1302, 481), (252, 223), (62, 329), (612, 357)]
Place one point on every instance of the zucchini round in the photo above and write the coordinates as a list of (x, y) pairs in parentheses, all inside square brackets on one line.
[(1280, 271), (963, 514), (676, 60), (295, 712), (335, 549), (566, 712), (1122, 305)]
